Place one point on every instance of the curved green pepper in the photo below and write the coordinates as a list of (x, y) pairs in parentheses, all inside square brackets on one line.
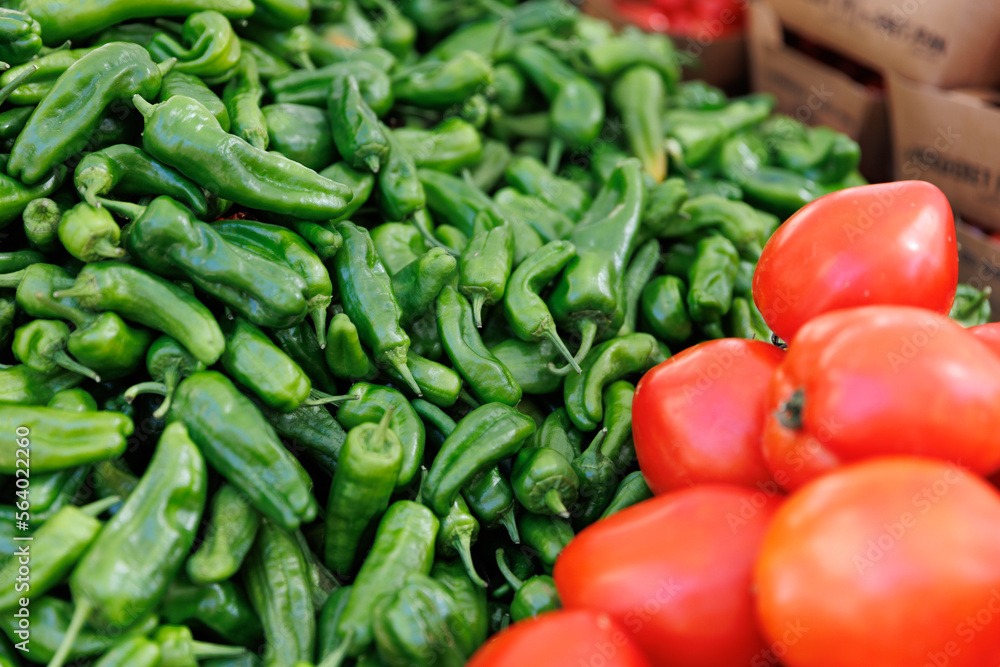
[(367, 472), (598, 481), (357, 132), (128, 170), (20, 37), (498, 431), (134, 652), (550, 223), (179, 649), (439, 85), (209, 48), (344, 354), (232, 526), (618, 398), (183, 134), (313, 86), (485, 267), (531, 177), (491, 166), (30, 82), (544, 481), (397, 244), (41, 346), (459, 531), (110, 73), (414, 626), (633, 49), (484, 373), (221, 607), (374, 401), (301, 133), (545, 535), (281, 13), (535, 596), (640, 271), (15, 195), (400, 191), (90, 234), (471, 625), (450, 146), (632, 490), (361, 184), (241, 98), (606, 363), (438, 383), (180, 84), (303, 345), (528, 364), (23, 386), (276, 575), (174, 487), (664, 310), (711, 279), (258, 364), (640, 96)]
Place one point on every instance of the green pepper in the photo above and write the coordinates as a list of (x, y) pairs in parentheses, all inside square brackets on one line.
[(414, 626), (532, 597), (544, 481), (180, 84), (699, 96), (41, 346), (700, 134), (631, 490), (532, 177), (232, 526), (309, 429), (441, 84), (167, 239), (21, 385), (367, 472), (451, 239), (640, 271), (531, 128), (400, 191), (50, 620), (747, 228), (325, 242), (344, 354), (303, 345), (458, 532), (576, 107), (458, 202), (367, 297), (640, 95), (396, 33), (361, 184), (20, 37), (438, 383), (485, 268), (12, 121), (133, 652), (313, 86), (397, 244), (276, 575), (286, 248), (183, 134), (301, 133), (404, 545), (241, 98), (357, 132), (329, 617), (168, 362), (711, 279), (208, 49), (438, 16), (8, 311), (550, 223), (111, 479), (110, 73), (90, 234), (664, 310), (527, 314), (15, 196), (373, 403), (618, 398), (491, 499), (55, 548), (471, 624), (240, 445), (662, 208), (485, 374), (606, 363), (292, 45), (545, 535), (450, 146), (128, 170), (497, 431), (492, 165), (269, 66), (528, 364), (598, 481), (173, 486), (179, 649), (633, 49), (30, 82), (220, 607), (971, 306)]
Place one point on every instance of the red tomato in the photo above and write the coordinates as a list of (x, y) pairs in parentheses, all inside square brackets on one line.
[(697, 418), (893, 562), (675, 571), (989, 334), (892, 243), (882, 380), (561, 639)]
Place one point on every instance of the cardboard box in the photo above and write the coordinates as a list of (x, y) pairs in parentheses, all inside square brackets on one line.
[(948, 43), (721, 61), (979, 263), (817, 94), (951, 139)]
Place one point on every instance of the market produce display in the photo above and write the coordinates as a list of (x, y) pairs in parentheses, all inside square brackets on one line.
[(323, 326)]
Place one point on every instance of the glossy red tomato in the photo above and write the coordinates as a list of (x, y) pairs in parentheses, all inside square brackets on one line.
[(892, 562), (675, 571), (698, 417), (988, 334), (892, 243), (561, 639), (882, 380)]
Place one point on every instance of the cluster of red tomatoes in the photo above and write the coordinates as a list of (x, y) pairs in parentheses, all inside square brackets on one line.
[(820, 506)]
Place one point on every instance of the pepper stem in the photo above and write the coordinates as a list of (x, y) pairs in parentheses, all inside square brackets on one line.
[(142, 106), (478, 301), (80, 616), (552, 335), (589, 333), (507, 521), (790, 414), (122, 208), (507, 573), (554, 158), (463, 545), (595, 444), (74, 315), (553, 500), (62, 358), (397, 358), (373, 163), (105, 248), (12, 280), (166, 66), (378, 438), (305, 61), (318, 315), (317, 397), (145, 388), (203, 650), (97, 507)]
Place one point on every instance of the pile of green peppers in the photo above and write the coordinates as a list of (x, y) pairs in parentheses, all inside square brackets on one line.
[(321, 318)]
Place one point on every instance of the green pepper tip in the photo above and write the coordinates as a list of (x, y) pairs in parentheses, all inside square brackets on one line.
[(553, 500), (373, 163), (63, 359), (166, 66), (509, 522), (142, 106)]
